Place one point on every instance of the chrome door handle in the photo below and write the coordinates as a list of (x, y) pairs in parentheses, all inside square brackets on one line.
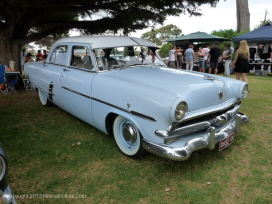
[(66, 70)]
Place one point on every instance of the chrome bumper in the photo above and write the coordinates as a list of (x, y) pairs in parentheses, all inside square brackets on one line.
[(7, 197), (208, 140)]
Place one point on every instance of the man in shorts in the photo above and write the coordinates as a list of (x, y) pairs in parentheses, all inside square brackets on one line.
[(227, 59), (214, 54), (172, 58)]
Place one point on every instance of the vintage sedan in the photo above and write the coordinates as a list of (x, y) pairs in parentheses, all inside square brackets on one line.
[(144, 104), (6, 194)]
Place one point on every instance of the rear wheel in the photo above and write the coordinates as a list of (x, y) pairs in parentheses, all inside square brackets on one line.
[(128, 137), (43, 98)]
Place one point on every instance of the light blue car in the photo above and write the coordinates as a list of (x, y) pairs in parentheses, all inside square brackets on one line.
[(144, 104)]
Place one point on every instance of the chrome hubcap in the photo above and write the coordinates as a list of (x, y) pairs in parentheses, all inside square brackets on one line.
[(129, 133)]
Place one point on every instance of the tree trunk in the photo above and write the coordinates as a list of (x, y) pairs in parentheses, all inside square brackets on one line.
[(243, 15), (10, 50)]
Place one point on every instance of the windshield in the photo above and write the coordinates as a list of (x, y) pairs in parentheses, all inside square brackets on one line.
[(123, 57)]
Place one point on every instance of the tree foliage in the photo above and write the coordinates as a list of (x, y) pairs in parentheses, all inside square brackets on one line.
[(262, 23), (23, 21), (229, 34), (161, 35), (164, 51)]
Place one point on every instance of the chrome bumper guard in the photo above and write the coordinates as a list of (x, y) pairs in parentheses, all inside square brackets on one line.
[(208, 140), (7, 197)]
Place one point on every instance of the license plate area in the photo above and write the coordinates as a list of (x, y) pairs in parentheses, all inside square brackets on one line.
[(226, 142)]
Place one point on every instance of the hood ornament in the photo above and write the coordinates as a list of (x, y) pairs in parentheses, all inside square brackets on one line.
[(207, 77), (220, 94)]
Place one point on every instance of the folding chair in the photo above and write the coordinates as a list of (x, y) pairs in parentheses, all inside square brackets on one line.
[(11, 82), (3, 88)]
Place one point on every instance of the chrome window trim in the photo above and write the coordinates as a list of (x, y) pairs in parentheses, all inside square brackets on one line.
[(82, 69)]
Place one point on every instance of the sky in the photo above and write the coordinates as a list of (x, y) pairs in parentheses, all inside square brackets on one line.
[(222, 17)]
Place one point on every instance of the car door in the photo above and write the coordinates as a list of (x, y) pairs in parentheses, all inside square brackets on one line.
[(76, 82), (51, 73)]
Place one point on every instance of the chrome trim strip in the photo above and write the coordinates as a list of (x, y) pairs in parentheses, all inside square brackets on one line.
[(109, 104), (76, 92), (208, 140), (140, 115)]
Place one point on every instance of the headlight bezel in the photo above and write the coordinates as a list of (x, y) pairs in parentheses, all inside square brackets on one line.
[(243, 91), (178, 110)]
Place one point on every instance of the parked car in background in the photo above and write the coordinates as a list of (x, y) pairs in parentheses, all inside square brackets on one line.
[(145, 105), (6, 194)]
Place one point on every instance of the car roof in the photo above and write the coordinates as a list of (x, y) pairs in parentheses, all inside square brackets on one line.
[(106, 41)]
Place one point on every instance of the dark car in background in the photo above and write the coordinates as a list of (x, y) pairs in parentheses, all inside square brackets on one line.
[(6, 193)]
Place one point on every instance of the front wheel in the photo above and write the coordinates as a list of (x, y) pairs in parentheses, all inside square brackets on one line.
[(43, 98), (128, 137)]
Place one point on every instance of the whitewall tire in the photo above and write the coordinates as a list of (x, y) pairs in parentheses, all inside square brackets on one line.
[(43, 98), (128, 137)]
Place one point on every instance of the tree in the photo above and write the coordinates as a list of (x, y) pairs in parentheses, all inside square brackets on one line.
[(49, 40), (23, 21), (229, 34), (164, 51), (243, 15), (262, 23), (161, 35)]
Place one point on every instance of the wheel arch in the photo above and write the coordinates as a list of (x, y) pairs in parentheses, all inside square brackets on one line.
[(112, 116), (109, 122)]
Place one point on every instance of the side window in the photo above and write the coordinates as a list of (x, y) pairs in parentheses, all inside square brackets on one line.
[(59, 55), (81, 57)]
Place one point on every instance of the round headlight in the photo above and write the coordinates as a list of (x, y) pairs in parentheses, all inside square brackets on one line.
[(245, 91), (3, 167), (181, 110)]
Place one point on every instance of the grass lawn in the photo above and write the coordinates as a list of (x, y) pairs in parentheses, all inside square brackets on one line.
[(56, 158)]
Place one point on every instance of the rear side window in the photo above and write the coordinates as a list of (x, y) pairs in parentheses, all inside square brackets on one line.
[(59, 55), (81, 57)]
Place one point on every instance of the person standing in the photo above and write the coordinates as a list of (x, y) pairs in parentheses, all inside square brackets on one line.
[(44, 55), (22, 57), (150, 52), (206, 64), (201, 61), (214, 55), (227, 58), (179, 58), (142, 55), (28, 58), (171, 62), (241, 61), (39, 56), (189, 58)]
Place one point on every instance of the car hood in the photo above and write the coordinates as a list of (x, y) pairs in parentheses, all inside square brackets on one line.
[(168, 84)]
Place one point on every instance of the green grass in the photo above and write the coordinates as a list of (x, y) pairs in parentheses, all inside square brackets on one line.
[(45, 159)]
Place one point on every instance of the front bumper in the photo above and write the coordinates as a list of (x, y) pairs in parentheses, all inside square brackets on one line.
[(6, 196), (208, 140)]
